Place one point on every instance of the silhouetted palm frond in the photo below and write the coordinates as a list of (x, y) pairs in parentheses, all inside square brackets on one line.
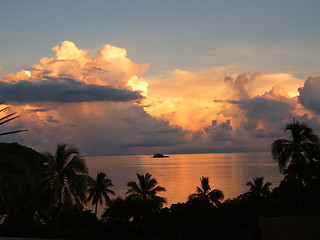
[(205, 193), (294, 155), (146, 189), (99, 190), (8, 118)]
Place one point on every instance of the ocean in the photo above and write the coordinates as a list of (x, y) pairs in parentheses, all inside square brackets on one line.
[(180, 173)]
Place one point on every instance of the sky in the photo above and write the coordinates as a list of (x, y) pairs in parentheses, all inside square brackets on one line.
[(140, 77)]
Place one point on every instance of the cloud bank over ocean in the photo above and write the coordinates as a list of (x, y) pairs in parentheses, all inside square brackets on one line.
[(105, 105)]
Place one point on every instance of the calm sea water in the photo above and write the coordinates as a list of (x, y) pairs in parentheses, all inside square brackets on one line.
[(180, 173)]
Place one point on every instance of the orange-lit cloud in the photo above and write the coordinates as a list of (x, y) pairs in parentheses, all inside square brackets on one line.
[(193, 99), (104, 105), (74, 76), (109, 67), (86, 101)]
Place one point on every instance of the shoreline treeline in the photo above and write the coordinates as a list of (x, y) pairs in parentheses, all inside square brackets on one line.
[(45, 195)]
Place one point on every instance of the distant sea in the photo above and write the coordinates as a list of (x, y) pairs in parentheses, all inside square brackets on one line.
[(180, 173)]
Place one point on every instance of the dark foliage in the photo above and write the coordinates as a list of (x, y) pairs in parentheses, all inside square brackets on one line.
[(19, 174), (141, 214)]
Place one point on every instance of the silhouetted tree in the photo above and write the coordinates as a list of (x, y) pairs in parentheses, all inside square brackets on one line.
[(99, 189), (124, 211), (294, 155), (258, 188), (146, 189), (205, 193), (298, 155), (65, 179), (117, 211)]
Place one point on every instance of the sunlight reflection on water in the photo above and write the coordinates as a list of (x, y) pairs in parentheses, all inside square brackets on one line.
[(180, 174)]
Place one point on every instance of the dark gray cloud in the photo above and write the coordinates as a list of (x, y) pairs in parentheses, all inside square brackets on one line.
[(239, 84), (262, 108), (51, 119), (39, 110), (310, 94), (271, 113), (30, 92), (220, 132)]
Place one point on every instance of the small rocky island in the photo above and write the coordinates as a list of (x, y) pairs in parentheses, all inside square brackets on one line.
[(159, 155)]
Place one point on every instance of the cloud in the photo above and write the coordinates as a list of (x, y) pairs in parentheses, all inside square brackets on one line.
[(309, 94), (26, 92), (86, 100), (99, 128), (109, 67), (72, 75), (219, 132), (193, 99), (103, 104), (239, 84), (265, 115), (38, 110)]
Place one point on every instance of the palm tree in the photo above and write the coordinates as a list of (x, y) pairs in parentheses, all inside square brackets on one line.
[(65, 180), (295, 155), (146, 189), (298, 155), (258, 188), (8, 118), (99, 189), (205, 193)]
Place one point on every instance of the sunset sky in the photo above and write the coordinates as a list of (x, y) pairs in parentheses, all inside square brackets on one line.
[(139, 77)]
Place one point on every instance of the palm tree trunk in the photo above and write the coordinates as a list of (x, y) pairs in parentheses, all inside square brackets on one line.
[(96, 209), (59, 213), (300, 196)]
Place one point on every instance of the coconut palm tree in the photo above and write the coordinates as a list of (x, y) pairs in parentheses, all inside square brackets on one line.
[(205, 193), (298, 156), (146, 189), (65, 180), (295, 155), (258, 188), (99, 189)]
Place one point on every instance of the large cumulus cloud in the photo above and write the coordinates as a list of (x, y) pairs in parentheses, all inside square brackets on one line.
[(103, 105), (110, 66), (74, 76), (91, 102)]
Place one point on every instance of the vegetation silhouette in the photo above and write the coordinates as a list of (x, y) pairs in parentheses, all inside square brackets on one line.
[(41, 194), (298, 157), (295, 156), (118, 211), (259, 189), (98, 190), (65, 179), (19, 195), (205, 193), (146, 189), (8, 118)]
